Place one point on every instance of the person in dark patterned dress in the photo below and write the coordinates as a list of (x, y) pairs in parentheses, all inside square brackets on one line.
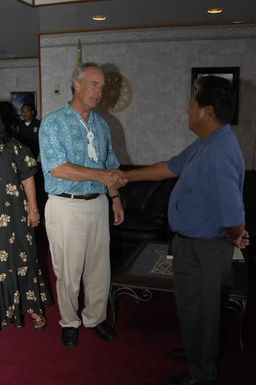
[(22, 288)]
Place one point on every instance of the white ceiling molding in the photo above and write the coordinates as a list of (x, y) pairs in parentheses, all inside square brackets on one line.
[(144, 35)]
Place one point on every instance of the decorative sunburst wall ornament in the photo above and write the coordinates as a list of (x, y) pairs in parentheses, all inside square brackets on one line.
[(117, 94)]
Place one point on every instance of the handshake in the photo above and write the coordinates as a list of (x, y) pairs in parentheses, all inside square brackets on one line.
[(113, 179)]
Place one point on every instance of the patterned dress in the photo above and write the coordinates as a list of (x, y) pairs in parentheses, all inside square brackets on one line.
[(22, 289)]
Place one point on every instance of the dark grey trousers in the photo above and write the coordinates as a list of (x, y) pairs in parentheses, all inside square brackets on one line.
[(201, 266)]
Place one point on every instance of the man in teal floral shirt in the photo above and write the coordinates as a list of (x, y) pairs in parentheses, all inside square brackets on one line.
[(77, 155)]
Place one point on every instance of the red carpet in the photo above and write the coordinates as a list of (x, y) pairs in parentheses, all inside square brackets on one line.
[(140, 355)]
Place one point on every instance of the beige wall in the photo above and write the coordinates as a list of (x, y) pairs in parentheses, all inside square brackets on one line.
[(158, 65)]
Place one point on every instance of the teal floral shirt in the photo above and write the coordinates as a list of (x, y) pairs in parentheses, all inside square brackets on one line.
[(63, 139)]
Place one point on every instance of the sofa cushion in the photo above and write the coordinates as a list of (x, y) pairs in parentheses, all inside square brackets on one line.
[(148, 198), (249, 192), (145, 204)]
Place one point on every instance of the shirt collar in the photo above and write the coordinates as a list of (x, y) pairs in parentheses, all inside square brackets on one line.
[(73, 112), (219, 131)]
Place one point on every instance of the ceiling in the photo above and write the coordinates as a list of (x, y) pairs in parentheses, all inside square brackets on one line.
[(21, 23)]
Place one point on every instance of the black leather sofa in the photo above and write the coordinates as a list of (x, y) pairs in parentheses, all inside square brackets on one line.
[(146, 205)]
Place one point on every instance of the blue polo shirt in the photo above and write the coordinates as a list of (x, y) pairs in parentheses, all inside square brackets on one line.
[(208, 195), (63, 138)]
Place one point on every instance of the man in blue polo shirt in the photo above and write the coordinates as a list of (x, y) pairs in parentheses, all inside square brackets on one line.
[(206, 213)]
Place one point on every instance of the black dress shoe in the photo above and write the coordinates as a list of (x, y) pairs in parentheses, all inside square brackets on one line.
[(186, 379), (105, 331), (69, 336), (179, 354)]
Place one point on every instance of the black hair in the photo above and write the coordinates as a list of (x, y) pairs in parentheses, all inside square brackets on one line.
[(31, 106), (3, 133), (8, 117), (217, 92)]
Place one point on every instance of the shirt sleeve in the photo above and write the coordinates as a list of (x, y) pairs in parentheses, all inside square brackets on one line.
[(177, 163), (52, 149), (111, 160)]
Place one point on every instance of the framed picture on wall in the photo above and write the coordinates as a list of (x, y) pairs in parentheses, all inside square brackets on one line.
[(230, 73), (21, 97)]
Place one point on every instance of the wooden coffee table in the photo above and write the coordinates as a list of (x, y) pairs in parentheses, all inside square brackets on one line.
[(149, 268)]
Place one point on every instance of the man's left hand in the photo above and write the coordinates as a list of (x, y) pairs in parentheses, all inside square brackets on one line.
[(118, 211), (242, 241)]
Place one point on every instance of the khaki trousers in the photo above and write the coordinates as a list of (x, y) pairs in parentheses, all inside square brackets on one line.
[(78, 233)]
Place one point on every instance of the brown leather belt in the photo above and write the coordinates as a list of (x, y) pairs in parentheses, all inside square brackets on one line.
[(86, 197)]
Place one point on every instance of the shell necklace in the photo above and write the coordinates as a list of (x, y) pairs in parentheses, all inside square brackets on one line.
[(90, 146)]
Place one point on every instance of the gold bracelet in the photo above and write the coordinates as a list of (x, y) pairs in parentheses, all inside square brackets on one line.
[(33, 210), (115, 196)]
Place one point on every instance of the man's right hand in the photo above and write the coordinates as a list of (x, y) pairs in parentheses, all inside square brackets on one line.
[(113, 179)]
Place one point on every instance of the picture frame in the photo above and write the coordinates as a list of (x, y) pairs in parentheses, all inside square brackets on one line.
[(18, 98), (230, 73)]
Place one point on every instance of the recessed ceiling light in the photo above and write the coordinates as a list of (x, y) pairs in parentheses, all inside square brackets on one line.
[(99, 18), (215, 11)]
